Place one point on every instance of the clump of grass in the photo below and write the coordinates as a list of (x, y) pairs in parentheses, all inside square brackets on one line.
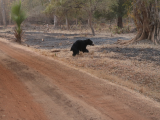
[(81, 54)]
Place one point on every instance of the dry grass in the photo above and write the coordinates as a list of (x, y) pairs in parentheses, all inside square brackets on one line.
[(119, 64)]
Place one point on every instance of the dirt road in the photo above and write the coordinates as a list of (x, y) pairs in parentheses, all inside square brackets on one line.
[(34, 87)]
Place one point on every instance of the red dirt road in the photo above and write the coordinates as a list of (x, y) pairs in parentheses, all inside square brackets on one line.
[(34, 87)]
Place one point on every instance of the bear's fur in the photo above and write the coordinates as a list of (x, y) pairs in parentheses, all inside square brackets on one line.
[(80, 45)]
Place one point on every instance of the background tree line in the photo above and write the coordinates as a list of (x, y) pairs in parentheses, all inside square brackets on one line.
[(67, 11), (145, 14)]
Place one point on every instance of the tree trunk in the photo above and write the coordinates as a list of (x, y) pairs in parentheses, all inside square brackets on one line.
[(10, 20), (55, 21), (90, 24), (147, 21), (76, 21), (67, 24), (120, 22), (3, 13)]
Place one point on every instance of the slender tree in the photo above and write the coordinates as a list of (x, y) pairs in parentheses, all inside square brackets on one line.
[(115, 10), (121, 11), (3, 13), (61, 8), (70, 9), (90, 6)]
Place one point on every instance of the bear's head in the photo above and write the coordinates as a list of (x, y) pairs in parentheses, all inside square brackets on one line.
[(89, 42)]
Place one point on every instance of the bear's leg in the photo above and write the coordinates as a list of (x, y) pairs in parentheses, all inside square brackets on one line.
[(75, 52), (85, 50)]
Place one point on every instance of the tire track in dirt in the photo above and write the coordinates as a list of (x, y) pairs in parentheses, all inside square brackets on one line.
[(57, 104), (15, 102), (112, 101)]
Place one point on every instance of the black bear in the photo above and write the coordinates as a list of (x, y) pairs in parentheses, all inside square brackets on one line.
[(80, 45)]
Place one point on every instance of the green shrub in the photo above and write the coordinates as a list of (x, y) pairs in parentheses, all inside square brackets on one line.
[(18, 16)]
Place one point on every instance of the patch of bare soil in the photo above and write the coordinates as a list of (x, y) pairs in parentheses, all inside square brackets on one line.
[(15, 102)]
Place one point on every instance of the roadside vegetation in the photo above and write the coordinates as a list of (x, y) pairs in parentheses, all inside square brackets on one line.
[(18, 16)]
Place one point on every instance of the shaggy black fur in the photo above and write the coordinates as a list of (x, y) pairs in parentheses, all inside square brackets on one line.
[(80, 45)]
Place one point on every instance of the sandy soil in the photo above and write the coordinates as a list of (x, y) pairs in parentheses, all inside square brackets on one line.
[(38, 87)]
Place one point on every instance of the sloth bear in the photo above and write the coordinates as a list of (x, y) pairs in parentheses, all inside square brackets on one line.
[(80, 45)]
